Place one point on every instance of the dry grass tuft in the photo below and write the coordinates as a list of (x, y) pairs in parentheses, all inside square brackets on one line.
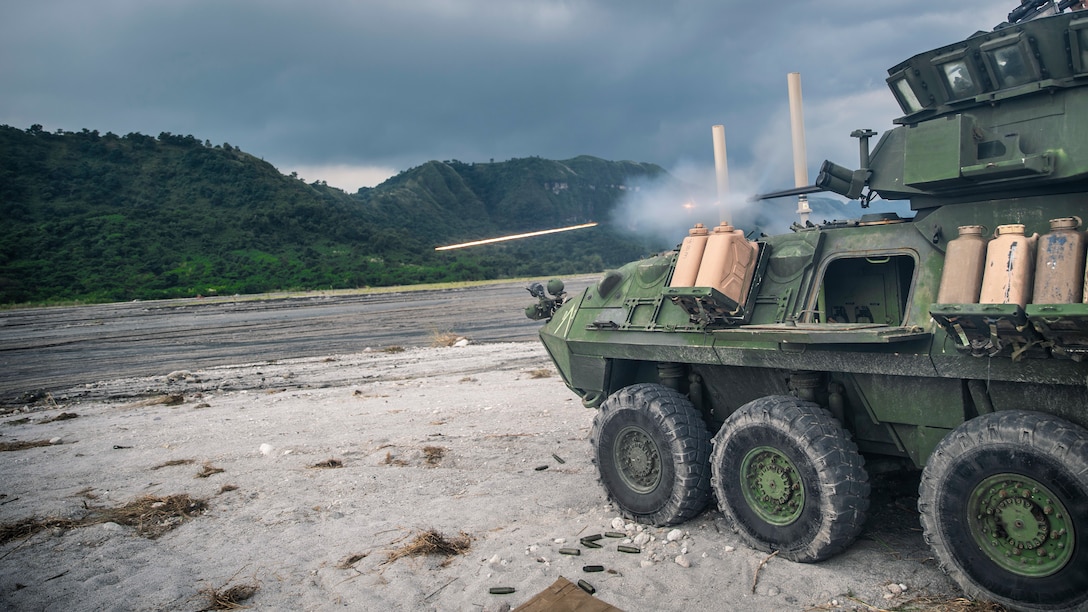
[(16, 446), (540, 373), (209, 470), (930, 603), (172, 399), (152, 516), (28, 527), (468, 379), (174, 462), (433, 454), (64, 416), (329, 463), (227, 488), (350, 560), (444, 338), (228, 598), (432, 542), (392, 349)]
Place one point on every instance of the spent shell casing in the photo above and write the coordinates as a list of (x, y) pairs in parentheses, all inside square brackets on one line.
[(592, 538), (628, 549), (557, 458), (501, 590), (592, 568), (590, 544), (569, 551), (615, 534), (587, 587)]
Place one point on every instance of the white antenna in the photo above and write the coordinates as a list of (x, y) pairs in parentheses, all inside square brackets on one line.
[(797, 131), (721, 170)]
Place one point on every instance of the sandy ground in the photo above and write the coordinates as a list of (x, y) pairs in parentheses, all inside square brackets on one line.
[(469, 442)]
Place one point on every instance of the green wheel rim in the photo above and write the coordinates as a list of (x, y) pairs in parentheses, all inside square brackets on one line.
[(637, 459), (1021, 525), (772, 486)]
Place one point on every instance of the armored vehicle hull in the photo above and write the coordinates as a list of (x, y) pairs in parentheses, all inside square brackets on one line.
[(841, 355)]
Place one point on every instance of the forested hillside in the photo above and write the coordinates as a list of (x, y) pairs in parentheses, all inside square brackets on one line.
[(101, 217)]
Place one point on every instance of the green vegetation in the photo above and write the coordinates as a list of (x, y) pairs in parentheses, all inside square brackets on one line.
[(93, 217)]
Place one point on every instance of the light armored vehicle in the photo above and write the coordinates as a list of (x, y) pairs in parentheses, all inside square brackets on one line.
[(769, 374)]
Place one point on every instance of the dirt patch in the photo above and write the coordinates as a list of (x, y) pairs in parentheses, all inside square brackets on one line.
[(23, 445)]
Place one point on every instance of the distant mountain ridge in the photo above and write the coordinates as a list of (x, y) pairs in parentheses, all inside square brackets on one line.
[(102, 217)]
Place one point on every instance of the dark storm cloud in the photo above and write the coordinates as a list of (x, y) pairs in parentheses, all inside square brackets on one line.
[(395, 83)]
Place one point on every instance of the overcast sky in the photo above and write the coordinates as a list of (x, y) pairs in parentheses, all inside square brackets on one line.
[(353, 91)]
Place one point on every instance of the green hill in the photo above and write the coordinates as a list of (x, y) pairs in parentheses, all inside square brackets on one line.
[(98, 217)]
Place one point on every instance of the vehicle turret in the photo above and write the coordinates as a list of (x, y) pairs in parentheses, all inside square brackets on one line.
[(993, 116)]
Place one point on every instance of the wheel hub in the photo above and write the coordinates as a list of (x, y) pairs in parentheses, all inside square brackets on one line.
[(638, 459), (772, 486), (1021, 525)]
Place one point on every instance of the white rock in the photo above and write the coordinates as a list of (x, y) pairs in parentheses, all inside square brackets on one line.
[(617, 523), (683, 550), (675, 535), (729, 549), (266, 449), (560, 540), (462, 342), (645, 563), (641, 539), (682, 561), (56, 440), (494, 560), (895, 589), (772, 591), (629, 527)]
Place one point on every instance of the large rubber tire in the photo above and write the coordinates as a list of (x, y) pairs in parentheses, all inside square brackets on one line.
[(1004, 504), (652, 451), (790, 479)]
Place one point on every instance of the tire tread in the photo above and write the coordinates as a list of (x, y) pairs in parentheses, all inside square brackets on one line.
[(684, 426), (833, 451)]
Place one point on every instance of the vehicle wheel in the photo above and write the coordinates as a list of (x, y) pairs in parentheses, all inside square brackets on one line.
[(1004, 504), (652, 451), (789, 478)]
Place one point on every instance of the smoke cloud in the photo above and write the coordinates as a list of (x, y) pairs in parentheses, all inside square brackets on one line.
[(666, 209)]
